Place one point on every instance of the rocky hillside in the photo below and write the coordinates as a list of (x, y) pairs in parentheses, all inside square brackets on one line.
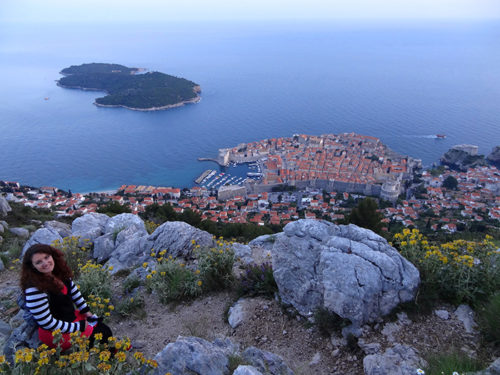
[(336, 309)]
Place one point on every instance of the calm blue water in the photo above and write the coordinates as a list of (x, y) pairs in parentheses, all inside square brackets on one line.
[(402, 84)]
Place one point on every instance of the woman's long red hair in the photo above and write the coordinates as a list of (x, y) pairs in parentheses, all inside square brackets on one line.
[(31, 277)]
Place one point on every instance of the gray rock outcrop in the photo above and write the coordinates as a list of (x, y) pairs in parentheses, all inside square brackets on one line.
[(20, 232), (193, 355), (176, 237), (266, 362), (237, 313), (63, 229), (4, 207), (466, 315), (129, 254), (23, 336), (118, 230), (89, 226), (345, 269), (43, 236), (4, 224), (246, 370), (398, 360)]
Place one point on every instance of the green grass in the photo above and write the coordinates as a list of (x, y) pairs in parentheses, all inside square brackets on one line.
[(447, 363), (489, 320)]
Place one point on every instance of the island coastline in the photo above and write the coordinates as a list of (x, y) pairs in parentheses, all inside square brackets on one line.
[(145, 89)]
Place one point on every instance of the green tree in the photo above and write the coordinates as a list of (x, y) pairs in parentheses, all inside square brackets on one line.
[(366, 215), (450, 182), (114, 208)]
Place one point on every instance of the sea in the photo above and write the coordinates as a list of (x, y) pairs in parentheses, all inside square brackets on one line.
[(403, 82)]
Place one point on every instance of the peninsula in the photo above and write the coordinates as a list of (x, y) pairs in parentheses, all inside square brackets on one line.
[(149, 91)]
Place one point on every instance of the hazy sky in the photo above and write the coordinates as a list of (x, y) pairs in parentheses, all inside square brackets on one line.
[(51, 11)]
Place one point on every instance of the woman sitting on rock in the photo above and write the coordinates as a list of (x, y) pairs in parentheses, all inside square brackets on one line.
[(51, 297)]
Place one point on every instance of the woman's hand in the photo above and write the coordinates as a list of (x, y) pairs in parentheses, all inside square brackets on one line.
[(88, 314)]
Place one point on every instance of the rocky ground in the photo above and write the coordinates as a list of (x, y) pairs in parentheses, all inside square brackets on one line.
[(268, 327)]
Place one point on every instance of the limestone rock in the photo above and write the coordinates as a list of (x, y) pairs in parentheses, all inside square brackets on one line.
[(63, 229), (2, 266), (346, 269), (129, 253), (176, 237), (43, 236), (20, 232), (4, 224), (398, 360), (466, 315), (23, 336), (2, 229), (4, 207), (89, 226), (103, 247), (246, 370), (443, 314), (266, 362), (193, 355), (118, 223), (237, 313)]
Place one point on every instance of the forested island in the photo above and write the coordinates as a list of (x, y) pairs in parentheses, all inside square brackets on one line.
[(125, 88)]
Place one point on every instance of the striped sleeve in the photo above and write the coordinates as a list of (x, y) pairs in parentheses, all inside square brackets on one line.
[(77, 298), (38, 304)]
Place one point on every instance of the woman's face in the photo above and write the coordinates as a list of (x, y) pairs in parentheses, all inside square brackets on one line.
[(43, 263)]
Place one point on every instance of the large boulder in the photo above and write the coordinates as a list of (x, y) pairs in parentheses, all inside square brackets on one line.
[(4, 207), (42, 236), (346, 269), (63, 229), (118, 230), (118, 223), (129, 253), (23, 336), (89, 226), (20, 232), (246, 370), (266, 362), (177, 238), (398, 360), (193, 355)]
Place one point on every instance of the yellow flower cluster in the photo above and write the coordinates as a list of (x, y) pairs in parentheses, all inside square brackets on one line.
[(100, 306), (81, 360)]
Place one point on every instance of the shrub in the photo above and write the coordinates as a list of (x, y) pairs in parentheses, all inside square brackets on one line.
[(172, 281), (131, 283), (151, 226), (76, 255), (459, 271), (258, 280), (132, 306), (11, 250), (451, 363), (81, 360), (94, 280), (490, 321), (216, 265)]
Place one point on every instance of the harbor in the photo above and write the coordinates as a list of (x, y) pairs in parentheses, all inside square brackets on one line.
[(233, 174)]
